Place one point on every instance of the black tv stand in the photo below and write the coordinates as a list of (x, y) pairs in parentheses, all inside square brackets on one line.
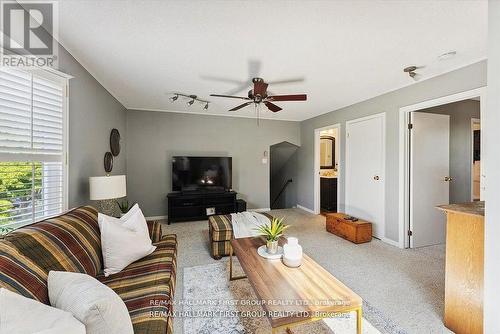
[(186, 206)]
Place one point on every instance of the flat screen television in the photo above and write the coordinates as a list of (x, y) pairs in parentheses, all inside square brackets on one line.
[(201, 173)]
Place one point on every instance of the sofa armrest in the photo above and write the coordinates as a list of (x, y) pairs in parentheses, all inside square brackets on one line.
[(155, 232)]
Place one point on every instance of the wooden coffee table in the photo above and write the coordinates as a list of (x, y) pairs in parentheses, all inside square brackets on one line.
[(293, 296)]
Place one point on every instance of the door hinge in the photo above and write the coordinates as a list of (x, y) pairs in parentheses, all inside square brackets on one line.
[(410, 233), (410, 126)]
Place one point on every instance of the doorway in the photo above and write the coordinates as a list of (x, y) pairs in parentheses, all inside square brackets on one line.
[(476, 159), (365, 171), (326, 169), (437, 163)]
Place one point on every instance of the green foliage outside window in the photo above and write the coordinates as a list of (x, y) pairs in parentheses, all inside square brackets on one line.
[(16, 189)]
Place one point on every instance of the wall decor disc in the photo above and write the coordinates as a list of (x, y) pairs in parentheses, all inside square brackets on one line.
[(108, 162), (114, 142)]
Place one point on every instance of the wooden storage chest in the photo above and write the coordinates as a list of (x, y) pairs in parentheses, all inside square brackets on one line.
[(356, 231)]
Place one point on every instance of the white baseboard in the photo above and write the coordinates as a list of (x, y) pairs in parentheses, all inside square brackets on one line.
[(305, 209), (391, 242), (260, 209), (156, 217)]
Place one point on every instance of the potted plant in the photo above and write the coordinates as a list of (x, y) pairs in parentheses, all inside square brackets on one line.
[(124, 207), (272, 232)]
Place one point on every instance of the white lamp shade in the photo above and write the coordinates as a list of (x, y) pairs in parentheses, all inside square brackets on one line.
[(107, 187)]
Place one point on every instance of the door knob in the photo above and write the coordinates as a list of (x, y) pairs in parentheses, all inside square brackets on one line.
[(448, 178), (376, 178)]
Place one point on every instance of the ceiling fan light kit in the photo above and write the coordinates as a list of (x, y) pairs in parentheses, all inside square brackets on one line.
[(191, 100)]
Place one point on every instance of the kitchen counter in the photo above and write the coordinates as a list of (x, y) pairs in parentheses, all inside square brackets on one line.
[(470, 208), (463, 305)]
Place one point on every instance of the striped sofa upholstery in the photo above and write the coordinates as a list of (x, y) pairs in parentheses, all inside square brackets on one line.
[(147, 286), (220, 232), (21, 275), (71, 242)]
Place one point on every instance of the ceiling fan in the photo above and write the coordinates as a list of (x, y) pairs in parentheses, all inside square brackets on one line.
[(259, 95)]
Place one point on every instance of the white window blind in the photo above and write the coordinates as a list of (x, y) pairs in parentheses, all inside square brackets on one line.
[(32, 147)]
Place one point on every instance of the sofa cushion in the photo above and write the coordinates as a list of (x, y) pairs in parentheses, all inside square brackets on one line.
[(147, 287), (69, 242), (19, 274), (154, 228)]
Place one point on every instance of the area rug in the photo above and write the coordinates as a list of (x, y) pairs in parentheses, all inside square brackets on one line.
[(212, 304)]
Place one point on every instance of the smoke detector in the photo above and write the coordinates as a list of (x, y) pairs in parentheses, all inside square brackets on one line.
[(447, 55)]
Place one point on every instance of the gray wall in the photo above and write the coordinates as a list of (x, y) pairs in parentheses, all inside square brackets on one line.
[(154, 137), (491, 162), (93, 112), (461, 113), (467, 78)]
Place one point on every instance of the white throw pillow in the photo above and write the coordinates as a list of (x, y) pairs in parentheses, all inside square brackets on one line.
[(98, 307), (124, 240), (21, 315)]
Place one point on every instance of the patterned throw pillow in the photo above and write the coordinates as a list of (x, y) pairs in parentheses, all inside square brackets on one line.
[(19, 274)]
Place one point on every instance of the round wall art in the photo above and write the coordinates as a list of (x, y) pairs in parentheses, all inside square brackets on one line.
[(108, 162), (114, 142)]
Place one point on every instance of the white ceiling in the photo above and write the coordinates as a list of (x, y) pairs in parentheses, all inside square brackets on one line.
[(346, 51)]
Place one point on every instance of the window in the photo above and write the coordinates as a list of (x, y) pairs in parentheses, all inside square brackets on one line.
[(33, 132)]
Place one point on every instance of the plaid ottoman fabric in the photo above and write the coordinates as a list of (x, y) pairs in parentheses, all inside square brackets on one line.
[(69, 242), (220, 230), (147, 287), (21, 275)]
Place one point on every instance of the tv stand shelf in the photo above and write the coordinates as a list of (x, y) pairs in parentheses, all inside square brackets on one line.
[(193, 205)]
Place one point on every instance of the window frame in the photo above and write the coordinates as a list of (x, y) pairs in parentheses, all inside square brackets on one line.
[(62, 79)]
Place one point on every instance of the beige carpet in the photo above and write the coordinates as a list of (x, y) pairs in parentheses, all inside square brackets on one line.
[(213, 305), (403, 288)]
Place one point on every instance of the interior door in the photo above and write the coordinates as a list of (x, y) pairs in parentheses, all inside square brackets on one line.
[(365, 176), (429, 177)]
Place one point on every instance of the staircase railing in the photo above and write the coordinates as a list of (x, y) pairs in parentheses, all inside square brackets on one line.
[(281, 192)]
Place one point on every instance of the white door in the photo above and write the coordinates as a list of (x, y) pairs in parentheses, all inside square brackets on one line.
[(365, 171), (429, 177)]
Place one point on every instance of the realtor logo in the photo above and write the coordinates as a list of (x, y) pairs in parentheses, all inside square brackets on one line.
[(29, 33)]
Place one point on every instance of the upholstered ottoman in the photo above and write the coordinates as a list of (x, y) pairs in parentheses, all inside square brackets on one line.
[(220, 230)]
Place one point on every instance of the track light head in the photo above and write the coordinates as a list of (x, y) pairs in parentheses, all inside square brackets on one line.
[(174, 98), (206, 106), (190, 103)]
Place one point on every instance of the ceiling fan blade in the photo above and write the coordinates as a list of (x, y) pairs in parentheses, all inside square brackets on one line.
[(286, 81), (231, 96), (272, 106), (225, 80), (260, 88), (241, 106), (295, 97)]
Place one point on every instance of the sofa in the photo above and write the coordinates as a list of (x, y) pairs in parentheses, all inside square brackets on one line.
[(71, 242)]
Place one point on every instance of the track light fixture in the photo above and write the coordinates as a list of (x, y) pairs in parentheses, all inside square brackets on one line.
[(411, 72), (191, 99)]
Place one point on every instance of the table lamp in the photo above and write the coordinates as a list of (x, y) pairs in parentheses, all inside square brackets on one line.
[(104, 189)]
